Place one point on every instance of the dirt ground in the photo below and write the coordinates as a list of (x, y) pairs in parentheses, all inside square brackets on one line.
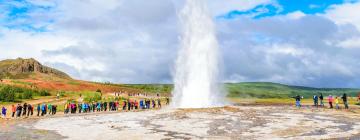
[(231, 122)]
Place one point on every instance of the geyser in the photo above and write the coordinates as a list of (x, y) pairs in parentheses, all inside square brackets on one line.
[(197, 71)]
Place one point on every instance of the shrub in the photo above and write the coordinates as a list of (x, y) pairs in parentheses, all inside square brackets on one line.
[(7, 94), (27, 94), (44, 93), (92, 97)]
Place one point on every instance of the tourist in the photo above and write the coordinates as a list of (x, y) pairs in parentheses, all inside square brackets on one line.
[(75, 107), (13, 110), (80, 107), (321, 97), (132, 105), (49, 107), (124, 105), (83, 109), (297, 100), (66, 108), (105, 106), (337, 102), (148, 103), (136, 105), (3, 112), (30, 110), (141, 104), (315, 98), (153, 103), (94, 107), (38, 110), (54, 109), (344, 98), (43, 108), (18, 110), (25, 108), (159, 103), (129, 104), (116, 105), (330, 100), (98, 108)]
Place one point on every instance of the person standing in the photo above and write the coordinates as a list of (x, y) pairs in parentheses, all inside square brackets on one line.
[(13, 110), (80, 107), (43, 109), (321, 97), (18, 110), (316, 103), (297, 100), (38, 110), (49, 107), (344, 98), (54, 108), (153, 103), (159, 103), (330, 100), (3, 112), (337, 102), (25, 108), (105, 106), (29, 110)]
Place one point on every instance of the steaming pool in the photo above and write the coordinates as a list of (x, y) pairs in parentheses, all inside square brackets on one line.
[(233, 122)]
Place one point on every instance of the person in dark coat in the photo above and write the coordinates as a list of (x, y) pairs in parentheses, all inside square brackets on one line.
[(321, 97), (38, 110), (297, 100), (24, 108), (345, 101)]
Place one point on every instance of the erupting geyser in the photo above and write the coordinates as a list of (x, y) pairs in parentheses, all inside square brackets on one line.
[(197, 71)]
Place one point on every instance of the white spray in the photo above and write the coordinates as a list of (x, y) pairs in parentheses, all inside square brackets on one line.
[(197, 66)]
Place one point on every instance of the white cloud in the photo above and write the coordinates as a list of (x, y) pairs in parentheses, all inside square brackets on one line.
[(15, 43), (131, 41), (295, 15), (345, 14), (350, 43)]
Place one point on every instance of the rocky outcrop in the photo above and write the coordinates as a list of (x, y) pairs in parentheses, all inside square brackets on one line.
[(14, 67)]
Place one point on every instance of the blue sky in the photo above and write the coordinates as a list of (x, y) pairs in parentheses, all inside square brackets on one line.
[(299, 42)]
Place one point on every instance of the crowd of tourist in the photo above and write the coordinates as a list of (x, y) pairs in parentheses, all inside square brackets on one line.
[(126, 105), (332, 100), (27, 110)]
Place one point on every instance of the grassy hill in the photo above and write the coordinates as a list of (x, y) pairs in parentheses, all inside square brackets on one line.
[(259, 90), (274, 90)]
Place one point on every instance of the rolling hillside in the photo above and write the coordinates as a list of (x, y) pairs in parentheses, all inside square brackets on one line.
[(274, 90), (260, 90)]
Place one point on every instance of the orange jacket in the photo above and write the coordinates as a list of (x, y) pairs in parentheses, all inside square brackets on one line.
[(13, 108)]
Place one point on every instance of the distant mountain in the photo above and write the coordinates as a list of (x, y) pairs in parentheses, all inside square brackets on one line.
[(23, 68)]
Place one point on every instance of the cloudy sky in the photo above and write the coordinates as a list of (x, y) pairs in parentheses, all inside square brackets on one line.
[(303, 42)]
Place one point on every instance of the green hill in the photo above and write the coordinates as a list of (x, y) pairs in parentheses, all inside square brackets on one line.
[(259, 90), (274, 90)]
